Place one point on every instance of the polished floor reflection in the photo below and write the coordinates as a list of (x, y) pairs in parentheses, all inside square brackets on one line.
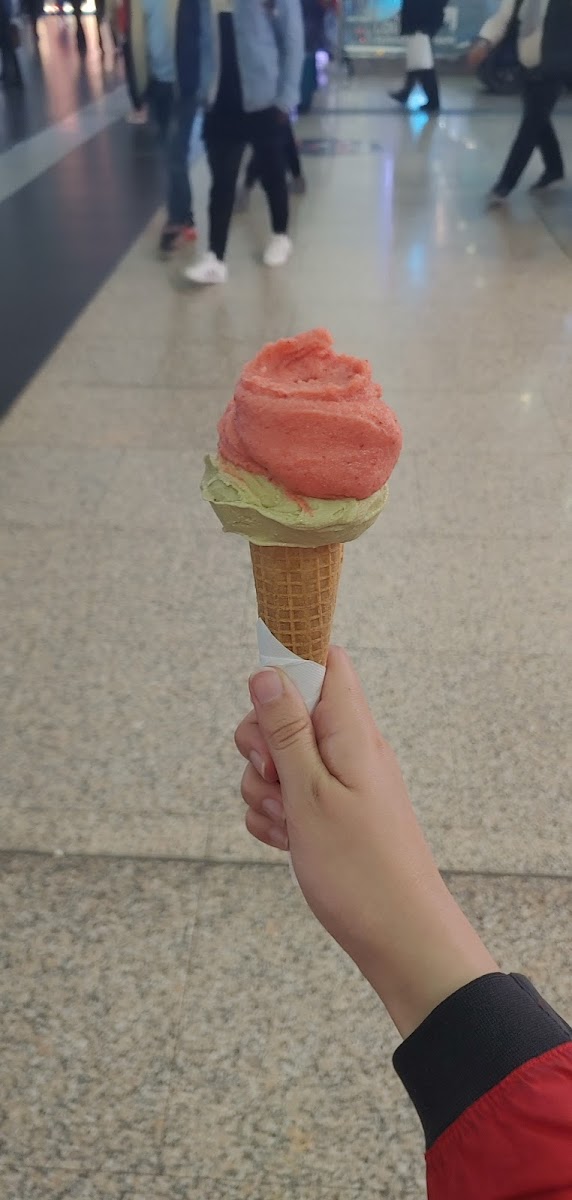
[(176, 1025)]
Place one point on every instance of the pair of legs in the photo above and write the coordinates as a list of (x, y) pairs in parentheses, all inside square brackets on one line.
[(536, 132), (265, 132), (175, 115), (420, 68)]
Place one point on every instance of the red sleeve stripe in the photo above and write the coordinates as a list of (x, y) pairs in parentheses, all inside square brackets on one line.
[(515, 1142)]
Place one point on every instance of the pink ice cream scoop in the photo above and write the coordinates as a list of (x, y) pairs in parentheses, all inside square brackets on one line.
[(311, 420)]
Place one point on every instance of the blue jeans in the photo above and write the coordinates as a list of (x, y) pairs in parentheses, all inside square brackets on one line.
[(179, 199), (175, 117)]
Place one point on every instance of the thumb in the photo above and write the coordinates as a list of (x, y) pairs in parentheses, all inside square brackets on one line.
[(287, 729)]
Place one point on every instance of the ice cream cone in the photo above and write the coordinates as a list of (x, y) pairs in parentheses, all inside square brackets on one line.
[(296, 590)]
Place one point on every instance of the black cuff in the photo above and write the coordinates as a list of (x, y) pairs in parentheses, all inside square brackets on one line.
[(472, 1041)]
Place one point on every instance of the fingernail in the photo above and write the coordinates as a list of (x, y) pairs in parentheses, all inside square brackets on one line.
[(273, 809), (257, 761), (266, 685), (278, 837)]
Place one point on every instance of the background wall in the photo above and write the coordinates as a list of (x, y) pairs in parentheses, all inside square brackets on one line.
[(372, 26)]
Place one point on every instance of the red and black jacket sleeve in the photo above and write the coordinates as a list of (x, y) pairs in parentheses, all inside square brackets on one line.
[(490, 1074)]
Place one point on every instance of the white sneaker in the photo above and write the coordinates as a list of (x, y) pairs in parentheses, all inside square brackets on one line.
[(278, 250), (210, 269)]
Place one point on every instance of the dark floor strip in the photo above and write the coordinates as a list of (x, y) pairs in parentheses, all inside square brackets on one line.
[(60, 238)]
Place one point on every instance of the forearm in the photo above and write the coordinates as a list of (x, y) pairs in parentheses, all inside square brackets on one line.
[(426, 951), (496, 26)]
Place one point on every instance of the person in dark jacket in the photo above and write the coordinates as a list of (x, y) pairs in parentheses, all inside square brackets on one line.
[(421, 20), (485, 1059)]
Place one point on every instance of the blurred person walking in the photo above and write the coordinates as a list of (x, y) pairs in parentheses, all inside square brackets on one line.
[(162, 59), (544, 43), (125, 37), (10, 75), (421, 20), (249, 99), (33, 10), (173, 40), (314, 17), (102, 18), (80, 37)]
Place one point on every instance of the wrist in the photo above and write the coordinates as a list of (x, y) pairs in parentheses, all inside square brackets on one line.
[(427, 954)]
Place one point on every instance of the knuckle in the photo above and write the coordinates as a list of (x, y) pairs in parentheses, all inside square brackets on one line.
[(290, 732), (244, 734)]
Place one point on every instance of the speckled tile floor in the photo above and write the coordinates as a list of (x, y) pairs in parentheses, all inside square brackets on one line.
[(174, 1025)]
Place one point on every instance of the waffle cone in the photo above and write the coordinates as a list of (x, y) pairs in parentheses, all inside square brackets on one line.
[(296, 589)]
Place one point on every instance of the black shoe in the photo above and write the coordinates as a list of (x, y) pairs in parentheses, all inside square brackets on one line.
[(174, 236), (497, 196), (403, 93), (547, 179), (402, 96)]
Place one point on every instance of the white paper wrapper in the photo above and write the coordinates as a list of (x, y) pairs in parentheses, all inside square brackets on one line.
[(307, 676)]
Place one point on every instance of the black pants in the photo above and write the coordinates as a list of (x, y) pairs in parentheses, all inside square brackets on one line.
[(291, 159), (161, 100), (536, 131), (10, 73), (226, 138)]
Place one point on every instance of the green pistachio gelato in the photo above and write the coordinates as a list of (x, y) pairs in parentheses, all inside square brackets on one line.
[(266, 515)]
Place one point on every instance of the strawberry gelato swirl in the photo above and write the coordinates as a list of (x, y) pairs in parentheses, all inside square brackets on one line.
[(311, 421)]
